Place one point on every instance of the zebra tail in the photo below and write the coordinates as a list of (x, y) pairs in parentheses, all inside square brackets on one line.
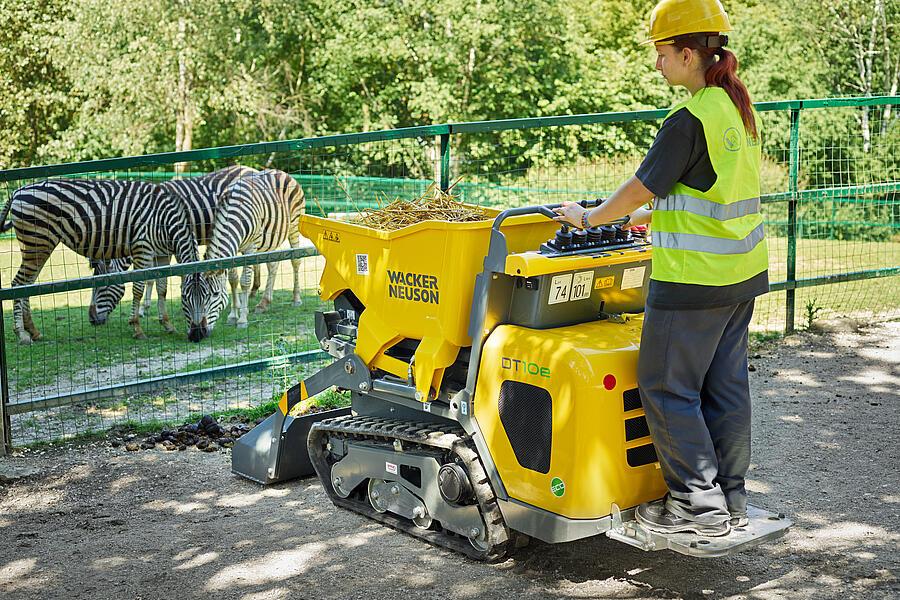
[(4, 224)]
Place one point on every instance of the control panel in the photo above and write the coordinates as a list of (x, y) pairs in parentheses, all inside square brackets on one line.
[(569, 241)]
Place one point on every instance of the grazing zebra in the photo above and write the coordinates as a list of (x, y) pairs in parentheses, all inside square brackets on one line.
[(104, 220), (200, 195), (255, 214), (104, 299)]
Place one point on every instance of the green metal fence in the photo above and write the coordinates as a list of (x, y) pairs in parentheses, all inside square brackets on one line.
[(831, 203)]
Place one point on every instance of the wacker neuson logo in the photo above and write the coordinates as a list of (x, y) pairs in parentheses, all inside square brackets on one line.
[(413, 286)]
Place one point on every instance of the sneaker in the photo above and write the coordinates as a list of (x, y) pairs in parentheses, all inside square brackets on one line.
[(739, 520), (656, 517)]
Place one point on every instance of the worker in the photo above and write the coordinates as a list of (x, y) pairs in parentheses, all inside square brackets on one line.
[(710, 261)]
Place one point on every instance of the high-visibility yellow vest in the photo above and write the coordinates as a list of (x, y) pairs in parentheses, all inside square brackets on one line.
[(714, 237)]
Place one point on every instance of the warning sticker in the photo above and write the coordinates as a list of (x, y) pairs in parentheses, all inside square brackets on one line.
[(633, 278), (390, 468), (560, 287), (604, 282), (581, 285)]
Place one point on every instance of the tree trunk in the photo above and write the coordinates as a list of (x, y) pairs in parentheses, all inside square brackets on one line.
[(184, 124), (891, 70)]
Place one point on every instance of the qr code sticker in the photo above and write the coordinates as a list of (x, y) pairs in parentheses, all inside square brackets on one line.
[(362, 264)]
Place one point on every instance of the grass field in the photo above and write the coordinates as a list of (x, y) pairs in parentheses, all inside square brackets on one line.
[(75, 356)]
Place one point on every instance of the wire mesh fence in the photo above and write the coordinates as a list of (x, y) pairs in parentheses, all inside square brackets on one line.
[(831, 200)]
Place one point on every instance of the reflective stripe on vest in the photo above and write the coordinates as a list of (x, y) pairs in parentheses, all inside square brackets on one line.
[(708, 208), (705, 243)]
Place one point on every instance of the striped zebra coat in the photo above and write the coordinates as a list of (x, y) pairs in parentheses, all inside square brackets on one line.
[(200, 195), (255, 214), (104, 220)]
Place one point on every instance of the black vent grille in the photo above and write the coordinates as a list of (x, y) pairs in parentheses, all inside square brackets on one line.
[(642, 455), (526, 412), (636, 428), (631, 399)]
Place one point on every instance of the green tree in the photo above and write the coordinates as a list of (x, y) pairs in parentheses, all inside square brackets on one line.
[(34, 100)]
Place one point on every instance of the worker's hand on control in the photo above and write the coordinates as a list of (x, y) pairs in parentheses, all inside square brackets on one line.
[(640, 217), (569, 213)]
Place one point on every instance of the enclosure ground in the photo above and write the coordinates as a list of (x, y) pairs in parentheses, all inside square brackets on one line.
[(97, 522)]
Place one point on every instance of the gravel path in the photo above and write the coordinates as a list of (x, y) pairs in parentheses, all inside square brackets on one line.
[(98, 522)]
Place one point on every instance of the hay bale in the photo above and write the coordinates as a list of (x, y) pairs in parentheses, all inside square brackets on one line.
[(434, 205)]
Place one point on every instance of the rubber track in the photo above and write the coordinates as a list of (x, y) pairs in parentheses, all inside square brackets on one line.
[(426, 436)]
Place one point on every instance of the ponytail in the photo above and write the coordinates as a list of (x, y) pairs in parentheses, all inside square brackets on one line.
[(722, 72)]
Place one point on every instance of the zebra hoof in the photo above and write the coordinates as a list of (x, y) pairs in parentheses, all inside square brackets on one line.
[(297, 303), (25, 340), (232, 320), (243, 325), (140, 335), (260, 309)]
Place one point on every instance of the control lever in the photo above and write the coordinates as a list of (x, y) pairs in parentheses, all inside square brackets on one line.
[(563, 237)]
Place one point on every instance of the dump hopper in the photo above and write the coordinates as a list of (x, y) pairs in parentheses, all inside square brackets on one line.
[(416, 283)]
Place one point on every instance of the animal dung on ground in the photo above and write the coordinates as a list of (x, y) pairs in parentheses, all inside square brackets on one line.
[(207, 435), (433, 205)]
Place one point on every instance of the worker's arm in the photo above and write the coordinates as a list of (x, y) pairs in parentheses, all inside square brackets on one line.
[(627, 200)]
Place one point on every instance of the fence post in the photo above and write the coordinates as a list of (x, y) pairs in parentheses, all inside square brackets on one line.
[(5, 433), (445, 161), (793, 179)]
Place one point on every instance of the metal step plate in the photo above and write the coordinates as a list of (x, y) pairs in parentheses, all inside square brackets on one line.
[(764, 526)]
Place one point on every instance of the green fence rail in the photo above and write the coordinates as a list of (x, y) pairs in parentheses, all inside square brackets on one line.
[(327, 193)]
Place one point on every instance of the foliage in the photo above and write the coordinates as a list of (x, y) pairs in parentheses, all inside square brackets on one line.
[(91, 79), (812, 312), (35, 106)]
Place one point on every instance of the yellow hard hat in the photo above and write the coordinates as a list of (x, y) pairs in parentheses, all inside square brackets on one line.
[(671, 18)]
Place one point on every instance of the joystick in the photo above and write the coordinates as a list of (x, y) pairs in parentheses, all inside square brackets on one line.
[(563, 238)]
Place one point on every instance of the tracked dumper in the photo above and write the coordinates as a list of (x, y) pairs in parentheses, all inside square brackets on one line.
[(492, 369)]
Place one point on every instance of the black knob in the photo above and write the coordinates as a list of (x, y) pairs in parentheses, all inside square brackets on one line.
[(579, 237), (623, 235), (563, 238), (607, 234), (594, 235)]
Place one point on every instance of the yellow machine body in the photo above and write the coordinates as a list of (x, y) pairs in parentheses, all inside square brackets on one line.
[(416, 283), (592, 463)]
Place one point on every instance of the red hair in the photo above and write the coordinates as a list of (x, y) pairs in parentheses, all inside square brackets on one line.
[(722, 72)]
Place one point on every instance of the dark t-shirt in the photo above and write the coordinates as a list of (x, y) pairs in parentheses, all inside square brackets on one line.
[(679, 154)]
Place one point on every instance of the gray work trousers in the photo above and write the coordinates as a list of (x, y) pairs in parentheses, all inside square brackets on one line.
[(692, 375)]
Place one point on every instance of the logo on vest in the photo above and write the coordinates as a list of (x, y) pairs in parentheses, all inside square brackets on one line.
[(732, 139)]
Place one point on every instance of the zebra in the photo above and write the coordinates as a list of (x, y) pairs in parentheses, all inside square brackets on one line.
[(200, 195), (255, 214), (104, 220)]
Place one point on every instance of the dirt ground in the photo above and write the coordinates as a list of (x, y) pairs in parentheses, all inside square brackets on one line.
[(97, 522)]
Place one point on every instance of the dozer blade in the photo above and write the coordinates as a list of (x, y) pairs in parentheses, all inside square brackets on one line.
[(275, 450), (764, 526)]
